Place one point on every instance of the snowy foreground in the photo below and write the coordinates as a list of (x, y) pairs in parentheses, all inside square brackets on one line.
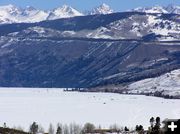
[(20, 107)]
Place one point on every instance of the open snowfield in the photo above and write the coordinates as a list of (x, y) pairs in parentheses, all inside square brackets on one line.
[(20, 107)]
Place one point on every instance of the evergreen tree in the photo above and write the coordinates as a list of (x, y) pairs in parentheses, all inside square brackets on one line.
[(34, 128), (4, 125), (59, 130), (155, 129), (158, 123), (140, 129), (126, 129), (152, 122), (88, 128)]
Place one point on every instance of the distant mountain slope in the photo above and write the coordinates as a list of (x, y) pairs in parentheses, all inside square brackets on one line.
[(116, 48), (127, 25)]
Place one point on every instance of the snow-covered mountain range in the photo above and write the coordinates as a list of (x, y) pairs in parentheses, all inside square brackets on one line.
[(136, 26), (89, 50), (104, 49), (13, 14), (159, 9)]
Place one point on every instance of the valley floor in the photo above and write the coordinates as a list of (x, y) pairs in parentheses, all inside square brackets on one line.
[(22, 106)]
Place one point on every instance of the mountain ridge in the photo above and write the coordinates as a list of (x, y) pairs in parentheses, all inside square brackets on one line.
[(159, 9), (68, 53), (13, 14), (146, 26), (116, 49)]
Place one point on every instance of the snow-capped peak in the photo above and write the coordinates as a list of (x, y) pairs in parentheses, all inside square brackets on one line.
[(102, 9), (8, 12), (9, 8), (64, 12), (30, 8), (159, 9), (155, 9), (66, 9)]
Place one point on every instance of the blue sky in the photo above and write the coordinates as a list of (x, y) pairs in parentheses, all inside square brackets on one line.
[(117, 5)]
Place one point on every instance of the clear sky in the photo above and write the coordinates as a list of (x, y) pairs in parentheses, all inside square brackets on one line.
[(117, 5)]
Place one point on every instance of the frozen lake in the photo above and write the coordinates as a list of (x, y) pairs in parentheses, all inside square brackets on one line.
[(20, 107)]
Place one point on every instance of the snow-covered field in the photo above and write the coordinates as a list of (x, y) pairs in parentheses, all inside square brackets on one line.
[(20, 107)]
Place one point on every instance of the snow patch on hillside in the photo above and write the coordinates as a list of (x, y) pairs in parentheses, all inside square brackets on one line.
[(167, 84)]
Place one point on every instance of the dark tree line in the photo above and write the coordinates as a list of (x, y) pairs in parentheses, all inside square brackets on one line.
[(88, 128)]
